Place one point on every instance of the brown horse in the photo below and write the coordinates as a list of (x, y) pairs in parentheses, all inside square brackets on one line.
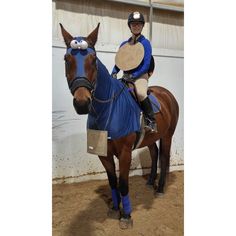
[(83, 72)]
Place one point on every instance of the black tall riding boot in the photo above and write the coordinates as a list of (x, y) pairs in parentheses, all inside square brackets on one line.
[(149, 116)]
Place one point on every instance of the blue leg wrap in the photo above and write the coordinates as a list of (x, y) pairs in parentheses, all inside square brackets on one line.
[(115, 198), (126, 204)]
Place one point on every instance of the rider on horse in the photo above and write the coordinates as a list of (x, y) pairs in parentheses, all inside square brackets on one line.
[(139, 75)]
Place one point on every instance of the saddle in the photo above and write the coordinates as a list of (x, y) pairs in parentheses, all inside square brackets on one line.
[(155, 105), (129, 83)]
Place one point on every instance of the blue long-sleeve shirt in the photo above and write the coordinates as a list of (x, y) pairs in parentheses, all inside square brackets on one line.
[(144, 65)]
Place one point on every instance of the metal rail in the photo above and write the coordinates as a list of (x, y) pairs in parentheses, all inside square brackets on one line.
[(149, 4)]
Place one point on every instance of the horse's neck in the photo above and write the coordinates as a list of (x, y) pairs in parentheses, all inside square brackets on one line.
[(103, 87)]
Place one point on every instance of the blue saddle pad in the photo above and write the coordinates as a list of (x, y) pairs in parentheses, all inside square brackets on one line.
[(156, 106)]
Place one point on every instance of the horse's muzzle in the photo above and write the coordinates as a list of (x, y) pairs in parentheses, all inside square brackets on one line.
[(82, 107)]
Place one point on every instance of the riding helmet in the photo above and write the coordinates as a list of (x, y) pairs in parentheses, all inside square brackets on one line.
[(136, 17)]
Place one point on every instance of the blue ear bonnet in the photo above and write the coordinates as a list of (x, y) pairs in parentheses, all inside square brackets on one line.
[(79, 55)]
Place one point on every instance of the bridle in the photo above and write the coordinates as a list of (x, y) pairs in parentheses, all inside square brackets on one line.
[(81, 80)]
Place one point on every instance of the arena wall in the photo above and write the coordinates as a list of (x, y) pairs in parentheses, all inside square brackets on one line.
[(70, 161)]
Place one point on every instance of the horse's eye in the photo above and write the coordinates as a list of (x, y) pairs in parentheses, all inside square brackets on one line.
[(94, 60), (65, 58)]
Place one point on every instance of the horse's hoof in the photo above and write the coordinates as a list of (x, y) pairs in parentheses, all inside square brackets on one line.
[(149, 185), (126, 223), (113, 214), (159, 194)]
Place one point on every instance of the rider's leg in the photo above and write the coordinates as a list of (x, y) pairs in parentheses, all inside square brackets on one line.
[(141, 86)]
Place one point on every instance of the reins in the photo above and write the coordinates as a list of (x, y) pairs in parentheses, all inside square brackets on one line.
[(115, 96)]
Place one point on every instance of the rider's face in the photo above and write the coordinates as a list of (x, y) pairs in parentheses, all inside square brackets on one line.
[(136, 27)]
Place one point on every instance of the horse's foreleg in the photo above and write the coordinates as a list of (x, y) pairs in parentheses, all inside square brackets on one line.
[(153, 149), (124, 166), (165, 145), (109, 165)]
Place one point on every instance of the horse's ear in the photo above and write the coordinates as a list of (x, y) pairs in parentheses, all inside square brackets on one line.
[(67, 37), (93, 36)]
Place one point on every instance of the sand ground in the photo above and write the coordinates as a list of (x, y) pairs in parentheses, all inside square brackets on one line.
[(80, 209)]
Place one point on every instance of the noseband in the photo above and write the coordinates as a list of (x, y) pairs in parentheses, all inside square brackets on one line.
[(80, 82)]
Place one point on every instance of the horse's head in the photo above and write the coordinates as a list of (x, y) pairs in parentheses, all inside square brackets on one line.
[(80, 67)]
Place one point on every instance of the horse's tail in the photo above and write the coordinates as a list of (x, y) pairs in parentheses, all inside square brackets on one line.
[(174, 110), (166, 141), (175, 113)]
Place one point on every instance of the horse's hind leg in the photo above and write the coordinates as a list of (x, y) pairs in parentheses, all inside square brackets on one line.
[(109, 165), (165, 145), (153, 149)]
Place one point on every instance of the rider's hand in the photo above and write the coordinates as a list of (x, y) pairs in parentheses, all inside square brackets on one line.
[(127, 76), (114, 76)]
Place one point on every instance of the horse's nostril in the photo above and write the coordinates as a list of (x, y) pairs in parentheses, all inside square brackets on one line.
[(89, 100)]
